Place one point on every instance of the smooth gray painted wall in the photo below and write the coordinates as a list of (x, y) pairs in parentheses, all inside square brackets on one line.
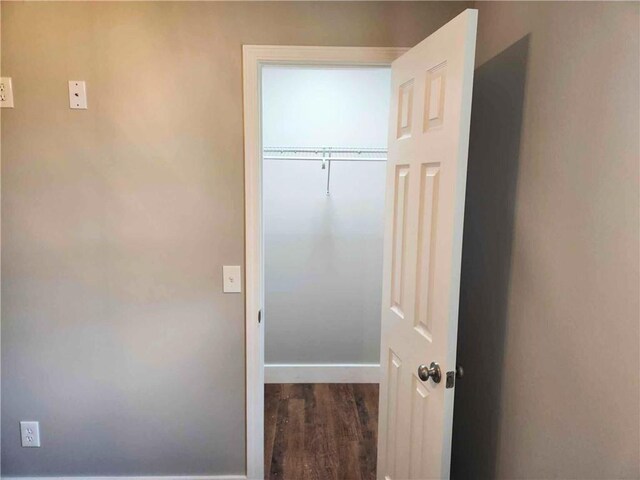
[(549, 313), (116, 222)]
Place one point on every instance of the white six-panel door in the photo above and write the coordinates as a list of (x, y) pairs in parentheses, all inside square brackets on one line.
[(426, 179)]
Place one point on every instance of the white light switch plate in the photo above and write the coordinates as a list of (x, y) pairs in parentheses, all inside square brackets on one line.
[(77, 95), (232, 279), (30, 434), (6, 92)]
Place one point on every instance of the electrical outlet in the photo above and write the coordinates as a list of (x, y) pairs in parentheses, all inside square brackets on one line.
[(30, 434), (6, 92)]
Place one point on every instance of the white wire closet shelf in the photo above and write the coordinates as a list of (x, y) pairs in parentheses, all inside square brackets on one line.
[(333, 154), (326, 155)]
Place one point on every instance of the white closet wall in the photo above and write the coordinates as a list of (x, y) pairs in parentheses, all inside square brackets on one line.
[(347, 107), (323, 254)]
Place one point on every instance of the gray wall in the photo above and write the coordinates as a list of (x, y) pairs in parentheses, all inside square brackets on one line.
[(116, 222), (549, 315)]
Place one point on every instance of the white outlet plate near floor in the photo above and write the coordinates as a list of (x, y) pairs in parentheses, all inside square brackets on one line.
[(30, 434)]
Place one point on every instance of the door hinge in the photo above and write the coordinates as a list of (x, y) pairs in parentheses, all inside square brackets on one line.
[(259, 315)]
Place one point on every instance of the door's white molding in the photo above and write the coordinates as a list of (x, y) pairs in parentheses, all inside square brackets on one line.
[(157, 477), (322, 373), (253, 57)]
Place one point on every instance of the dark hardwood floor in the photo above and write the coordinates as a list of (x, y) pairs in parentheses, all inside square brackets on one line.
[(321, 431)]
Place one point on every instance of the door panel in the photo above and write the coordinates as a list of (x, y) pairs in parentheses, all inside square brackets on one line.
[(394, 371), (427, 229), (399, 238), (419, 448), (426, 179)]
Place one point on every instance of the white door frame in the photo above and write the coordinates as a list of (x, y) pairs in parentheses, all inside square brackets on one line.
[(254, 56)]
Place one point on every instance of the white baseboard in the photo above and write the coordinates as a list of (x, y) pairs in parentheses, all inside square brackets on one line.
[(151, 477), (322, 373)]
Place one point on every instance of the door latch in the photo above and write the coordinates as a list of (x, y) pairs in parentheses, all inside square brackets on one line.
[(451, 379), (453, 375)]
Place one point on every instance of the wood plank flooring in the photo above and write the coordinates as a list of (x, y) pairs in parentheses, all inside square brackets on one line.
[(321, 431)]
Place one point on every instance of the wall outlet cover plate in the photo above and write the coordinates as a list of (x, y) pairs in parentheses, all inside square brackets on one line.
[(6, 92), (30, 433)]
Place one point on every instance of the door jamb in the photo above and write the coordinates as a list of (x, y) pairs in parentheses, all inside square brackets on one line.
[(253, 58)]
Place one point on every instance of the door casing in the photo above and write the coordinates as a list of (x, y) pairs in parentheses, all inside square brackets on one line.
[(253, 58)]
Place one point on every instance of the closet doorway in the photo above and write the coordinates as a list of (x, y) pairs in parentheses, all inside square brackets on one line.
[(324, 137), (429, 115)]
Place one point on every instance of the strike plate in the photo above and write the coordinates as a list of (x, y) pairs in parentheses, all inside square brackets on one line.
[(451, 379)]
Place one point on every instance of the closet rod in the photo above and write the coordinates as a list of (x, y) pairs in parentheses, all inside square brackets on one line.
[(340, 154), (326, 155), (333, 159)]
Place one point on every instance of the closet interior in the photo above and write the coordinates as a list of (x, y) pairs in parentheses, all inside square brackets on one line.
[(324, 169)]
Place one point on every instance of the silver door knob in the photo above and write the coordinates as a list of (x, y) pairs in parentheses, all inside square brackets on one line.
[(432, 371)]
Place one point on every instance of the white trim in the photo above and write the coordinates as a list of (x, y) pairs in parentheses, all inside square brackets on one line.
[(322, 373), (178, 477), (253, 57)]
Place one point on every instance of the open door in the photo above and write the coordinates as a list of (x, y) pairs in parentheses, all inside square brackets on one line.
[(426, 180)]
